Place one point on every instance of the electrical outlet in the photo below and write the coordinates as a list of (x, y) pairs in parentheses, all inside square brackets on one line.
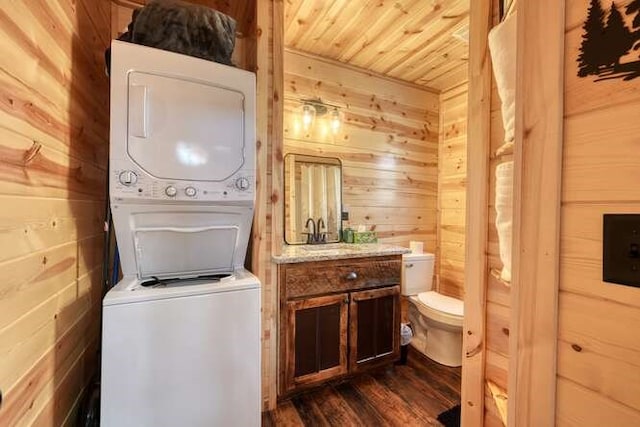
[(621, 249), (345, 216)]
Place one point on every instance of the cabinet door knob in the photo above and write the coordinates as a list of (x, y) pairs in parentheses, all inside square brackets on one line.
[(408, 265), (352, 276)]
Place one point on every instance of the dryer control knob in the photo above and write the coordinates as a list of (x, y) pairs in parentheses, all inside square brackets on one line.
[(171, 191), (190, 191), (242, 184), (128, 178)]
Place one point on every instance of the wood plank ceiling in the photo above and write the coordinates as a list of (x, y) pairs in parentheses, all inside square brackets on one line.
[(410, 40)]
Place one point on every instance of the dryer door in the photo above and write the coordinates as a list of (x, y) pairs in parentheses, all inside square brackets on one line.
[(183, 129)]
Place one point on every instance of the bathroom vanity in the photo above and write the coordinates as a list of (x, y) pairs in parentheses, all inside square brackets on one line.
[(339, 311)]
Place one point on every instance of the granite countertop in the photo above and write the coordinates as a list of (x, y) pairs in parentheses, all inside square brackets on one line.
[(305, 253)]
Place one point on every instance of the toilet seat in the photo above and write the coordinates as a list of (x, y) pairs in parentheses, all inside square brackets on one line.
[(440, 308)]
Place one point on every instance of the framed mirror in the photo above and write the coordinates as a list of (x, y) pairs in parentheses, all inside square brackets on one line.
[(312, 199)]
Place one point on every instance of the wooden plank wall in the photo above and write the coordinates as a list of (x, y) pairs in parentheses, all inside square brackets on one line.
[(598, 379), (388, 145), (452, 179), (54, 129)]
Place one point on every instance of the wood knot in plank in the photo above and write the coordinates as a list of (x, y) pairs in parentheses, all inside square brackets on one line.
[(576, 347), (78, 174), (477, 349), (31, 154)]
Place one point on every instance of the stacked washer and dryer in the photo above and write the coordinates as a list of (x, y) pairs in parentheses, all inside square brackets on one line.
[(181, 330)]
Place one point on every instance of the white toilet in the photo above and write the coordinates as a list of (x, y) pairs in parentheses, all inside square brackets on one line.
[(436, 319)]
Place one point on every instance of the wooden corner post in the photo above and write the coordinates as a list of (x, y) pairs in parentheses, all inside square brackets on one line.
[(478, 153), (537, 199)]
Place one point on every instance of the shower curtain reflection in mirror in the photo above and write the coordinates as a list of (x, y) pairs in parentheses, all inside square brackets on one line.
[(313, 190)]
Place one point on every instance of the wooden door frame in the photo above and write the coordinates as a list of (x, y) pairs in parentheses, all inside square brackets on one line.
[(536, 226), (266, 238), (537, 202), (477, 214)]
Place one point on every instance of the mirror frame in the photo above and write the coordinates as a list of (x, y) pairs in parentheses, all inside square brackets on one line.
[(285, 194)]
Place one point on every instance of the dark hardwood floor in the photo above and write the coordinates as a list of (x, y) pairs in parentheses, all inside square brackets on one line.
[(409, 395)]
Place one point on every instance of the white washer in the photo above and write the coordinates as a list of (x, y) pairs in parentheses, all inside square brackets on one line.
[(180, 356)]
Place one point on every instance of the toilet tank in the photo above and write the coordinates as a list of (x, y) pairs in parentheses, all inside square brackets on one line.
[(417, 273)]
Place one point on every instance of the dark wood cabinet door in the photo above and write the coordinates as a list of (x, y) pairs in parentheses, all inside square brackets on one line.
[(374, 335), (316, 339)]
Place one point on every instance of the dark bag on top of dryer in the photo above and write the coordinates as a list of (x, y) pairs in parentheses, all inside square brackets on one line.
[(184, 28)]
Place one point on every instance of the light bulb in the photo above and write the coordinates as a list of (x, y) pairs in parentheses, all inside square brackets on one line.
[(335, 121), (308, 113)]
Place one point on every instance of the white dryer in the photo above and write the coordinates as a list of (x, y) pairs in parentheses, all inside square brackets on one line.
[(181, 331)]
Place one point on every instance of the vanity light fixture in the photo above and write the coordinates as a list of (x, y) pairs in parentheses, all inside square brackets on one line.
[(315, 107)]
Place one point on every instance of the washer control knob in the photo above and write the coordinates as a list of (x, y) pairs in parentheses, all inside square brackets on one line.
[(128, 178), (242, 184), (171, 191), (190, 191)]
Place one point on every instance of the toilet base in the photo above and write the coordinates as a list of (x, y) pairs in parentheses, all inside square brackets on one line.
[(440, 343)]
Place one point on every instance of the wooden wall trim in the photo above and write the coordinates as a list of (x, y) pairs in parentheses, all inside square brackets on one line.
[(277, 182), (537, 197), (260, 251), (478, 153), (438, 251), (277, 134), (454, 91), (361, 70), (267, 224)]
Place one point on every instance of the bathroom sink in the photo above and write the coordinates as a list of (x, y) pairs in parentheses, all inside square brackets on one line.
[(328, 247), (333, 249)]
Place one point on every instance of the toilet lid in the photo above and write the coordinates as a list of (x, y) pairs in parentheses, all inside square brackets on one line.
[(442, 303)]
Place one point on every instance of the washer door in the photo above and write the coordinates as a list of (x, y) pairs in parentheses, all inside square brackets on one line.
[(182, 129)]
